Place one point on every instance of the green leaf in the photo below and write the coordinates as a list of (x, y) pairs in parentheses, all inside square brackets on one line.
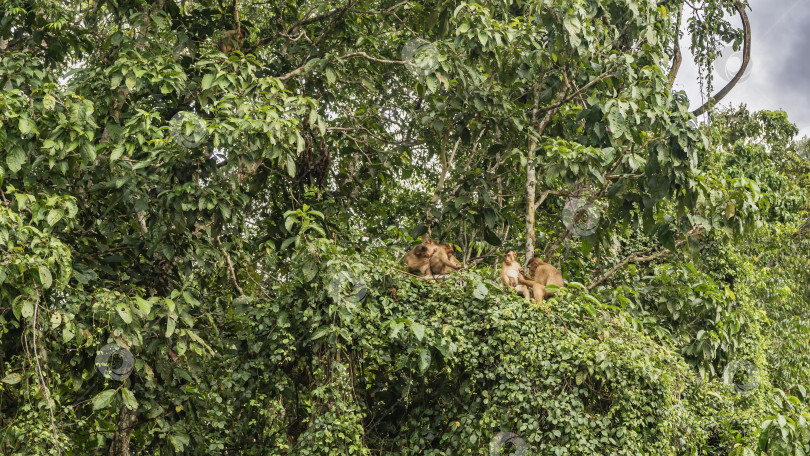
[(45, 277), (418, 331), (129, 399), (171, 324), (179, 440), (424, 360), (208, 81), (68, 333), (190, 299), (54, 215), (26, 126), (290, 163), (330, 75), (144, 305), (320, 332), (83, 274), (103, 399), (668, 240), (15, 159), (124, 312), (117, 153), (48, 102), (480, 291), (12, 379)]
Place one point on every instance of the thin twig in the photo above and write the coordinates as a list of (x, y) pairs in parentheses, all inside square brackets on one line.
[(41, 377), (230, 268)]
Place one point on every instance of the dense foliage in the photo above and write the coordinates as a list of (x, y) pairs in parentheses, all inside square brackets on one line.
[(232, 209)]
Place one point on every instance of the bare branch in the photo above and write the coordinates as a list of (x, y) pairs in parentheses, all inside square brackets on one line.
[(637, 257), (746, 59), (575, 94), (41, 378), (677, 58)]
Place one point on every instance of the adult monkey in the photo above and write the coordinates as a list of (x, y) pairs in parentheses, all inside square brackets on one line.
[(543, 274), (418, 259), (443, 260), (232, 39), (512, 275)]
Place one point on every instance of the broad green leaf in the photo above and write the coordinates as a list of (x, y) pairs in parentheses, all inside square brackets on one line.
[(45, 277), (54, 215), (12, 379), (179, 441), (190, 299), (424, 360), (418, 331), (27, 309), (103, 399), (124, 312), (129, 399), (144, 305), (171, 323), (15, 159), (67, 333), (26, 126), (208, 81)]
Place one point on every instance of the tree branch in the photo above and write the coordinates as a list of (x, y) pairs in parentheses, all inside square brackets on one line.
[(575, 94), (301, 23), (633, 258), (677, 57), (746, 59)]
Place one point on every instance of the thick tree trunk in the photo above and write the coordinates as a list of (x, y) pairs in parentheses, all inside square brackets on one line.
[(531, 179), (531, 185), (123, 432), (531, 171)]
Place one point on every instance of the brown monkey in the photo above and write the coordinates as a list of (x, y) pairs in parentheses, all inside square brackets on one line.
[(418, 259), (443, 260), (543, 274), (230, 40), (512, 275)]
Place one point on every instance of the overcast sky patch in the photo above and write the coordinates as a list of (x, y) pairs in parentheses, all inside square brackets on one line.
[(779, 75)]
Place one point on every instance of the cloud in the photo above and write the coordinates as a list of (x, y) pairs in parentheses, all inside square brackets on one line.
[(779, 75)]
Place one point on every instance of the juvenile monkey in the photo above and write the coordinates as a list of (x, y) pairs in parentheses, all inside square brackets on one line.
[(512, 275), (443, 260), (543, 274), (418, 259)]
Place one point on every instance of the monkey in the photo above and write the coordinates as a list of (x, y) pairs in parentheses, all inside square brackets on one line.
[(443, 260), (230, 40), (543, 274), (513, 277), (418, 259)]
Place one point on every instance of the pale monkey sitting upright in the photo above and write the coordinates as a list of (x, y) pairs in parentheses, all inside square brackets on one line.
[(512, 275)]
